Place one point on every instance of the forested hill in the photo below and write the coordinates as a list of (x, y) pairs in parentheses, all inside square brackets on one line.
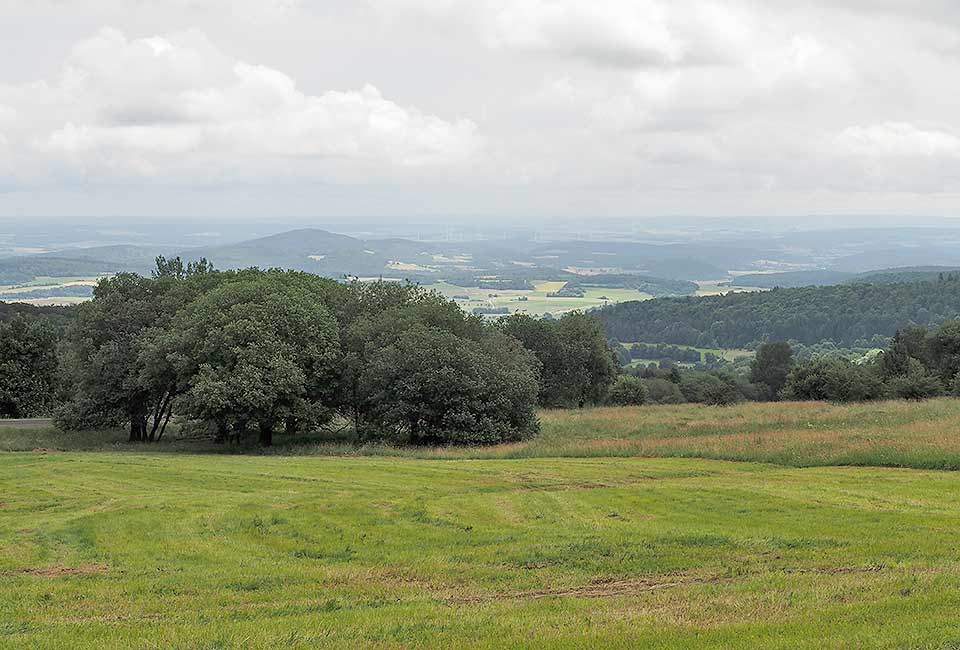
[(844, 314)]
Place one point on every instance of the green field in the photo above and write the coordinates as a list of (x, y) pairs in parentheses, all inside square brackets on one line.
[(571, 540), (722, 287), (50, 284), (536, 303)]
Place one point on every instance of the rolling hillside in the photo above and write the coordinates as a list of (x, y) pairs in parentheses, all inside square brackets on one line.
[(845, 314)]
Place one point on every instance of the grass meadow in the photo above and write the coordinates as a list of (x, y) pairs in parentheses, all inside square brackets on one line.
[(614, 528), (919, 435)]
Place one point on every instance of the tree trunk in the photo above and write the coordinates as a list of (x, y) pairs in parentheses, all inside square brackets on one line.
[(266, 435), (166, 418), (138, 428)]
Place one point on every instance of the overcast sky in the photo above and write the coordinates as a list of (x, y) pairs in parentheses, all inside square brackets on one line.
[(626, 108)]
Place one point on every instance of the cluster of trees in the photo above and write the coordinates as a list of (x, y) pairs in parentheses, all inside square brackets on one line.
[(28, 366), (917, 364), (676, 386), (578, 365), (660, 351), (243, 352), (848, 315)]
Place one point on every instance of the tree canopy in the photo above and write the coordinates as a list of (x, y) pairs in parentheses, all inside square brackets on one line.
[(843, 314)]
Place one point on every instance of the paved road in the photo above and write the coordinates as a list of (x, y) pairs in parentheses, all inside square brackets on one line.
[(35, 422)]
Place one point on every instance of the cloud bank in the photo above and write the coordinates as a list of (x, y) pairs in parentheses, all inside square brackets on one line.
[(612, 107)]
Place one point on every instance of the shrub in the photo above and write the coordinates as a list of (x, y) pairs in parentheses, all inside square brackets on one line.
[(627, 391), (915, 384), (662, 391), (705, 388), (832, 380)]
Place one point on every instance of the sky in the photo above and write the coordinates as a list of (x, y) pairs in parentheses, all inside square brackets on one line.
[(479, 108)]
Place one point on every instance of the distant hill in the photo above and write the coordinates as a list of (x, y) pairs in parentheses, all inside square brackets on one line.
[(98, 260), (511, 262), (792, 279), (847, 314)]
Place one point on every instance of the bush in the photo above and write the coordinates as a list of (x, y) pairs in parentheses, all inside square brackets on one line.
[(431, 386), (661, 391), (627, 391), (915, 383), (705, 388), (832, 380)]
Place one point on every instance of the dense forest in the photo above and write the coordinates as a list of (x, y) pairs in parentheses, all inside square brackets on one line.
[(847, 315)]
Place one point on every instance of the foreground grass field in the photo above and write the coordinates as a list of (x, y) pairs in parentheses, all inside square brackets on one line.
[(921, 435), (107, 550)]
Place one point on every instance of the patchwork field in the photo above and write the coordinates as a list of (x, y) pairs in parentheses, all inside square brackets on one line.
[(50, 291), (534, 302), (558, 543)]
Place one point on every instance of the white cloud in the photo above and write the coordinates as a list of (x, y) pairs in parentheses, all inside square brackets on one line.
[(600, 107), (158, 105), (619, 33), (898, 139)]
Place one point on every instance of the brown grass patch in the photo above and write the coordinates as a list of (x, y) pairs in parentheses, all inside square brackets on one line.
[(59, 570), (597, 589)]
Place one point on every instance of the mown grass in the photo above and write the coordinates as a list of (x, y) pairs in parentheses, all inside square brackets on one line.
[(920, 435), (108, 551)]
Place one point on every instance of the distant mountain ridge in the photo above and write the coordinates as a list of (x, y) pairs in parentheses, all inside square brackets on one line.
[(336, 255), (820, 278)]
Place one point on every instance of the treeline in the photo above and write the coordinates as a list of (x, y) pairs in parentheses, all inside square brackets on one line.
[(847, 315), (918, 364), (658, 351), (259, 352)]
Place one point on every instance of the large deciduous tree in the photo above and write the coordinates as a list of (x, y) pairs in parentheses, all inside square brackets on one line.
[(257, 350), (114, 360), (578, 365), (431, 386)]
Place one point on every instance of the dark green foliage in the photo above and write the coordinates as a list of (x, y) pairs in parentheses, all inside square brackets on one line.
[(28, 367), (59, 317), (431, 386), (227, 352), (941, 351), (833, 380), (844, 314), (260, 349), (659, 351), (915, 383), (110, 360), (578, 365), (706, 388), (627, 390), (771, 367), (663, 391)]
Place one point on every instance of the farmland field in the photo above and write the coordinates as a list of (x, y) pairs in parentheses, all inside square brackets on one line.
[(721, 287), (49, 291), (533, 549), (535, 302)]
